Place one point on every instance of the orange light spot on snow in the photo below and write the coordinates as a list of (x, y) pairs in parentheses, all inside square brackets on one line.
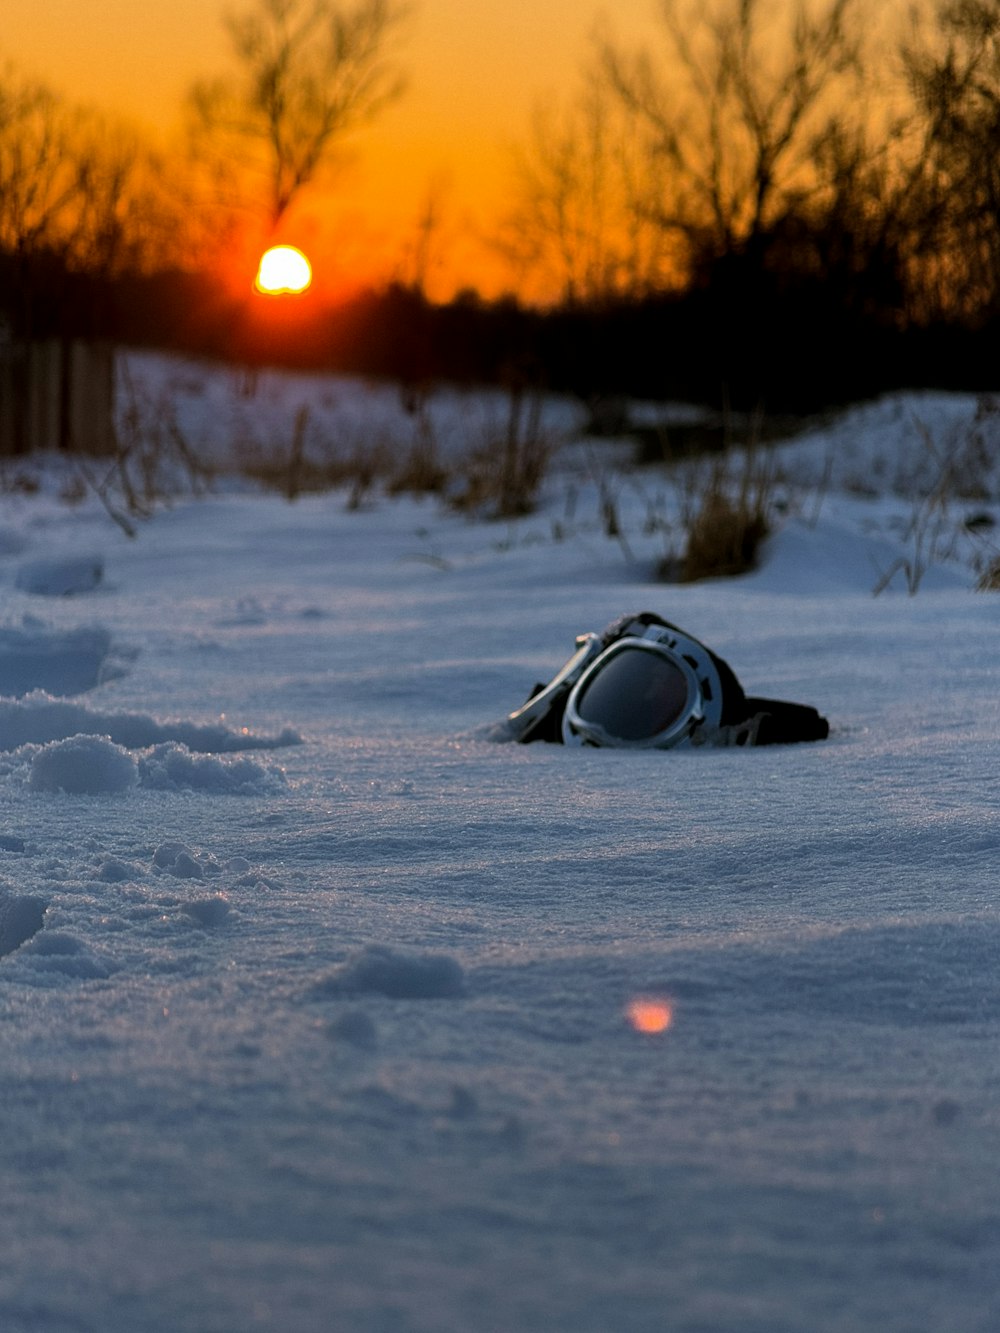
[(283, 270), (649, 1015)]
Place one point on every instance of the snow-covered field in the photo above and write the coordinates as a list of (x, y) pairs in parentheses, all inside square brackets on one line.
[(314, 1002)]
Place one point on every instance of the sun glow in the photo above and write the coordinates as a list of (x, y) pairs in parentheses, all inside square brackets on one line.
[(283, 270), (649, 1015)]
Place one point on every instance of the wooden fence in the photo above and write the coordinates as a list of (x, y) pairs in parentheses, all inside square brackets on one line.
[(56, 394)]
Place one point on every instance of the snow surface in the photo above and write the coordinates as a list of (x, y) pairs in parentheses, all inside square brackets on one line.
[(314, 1002)]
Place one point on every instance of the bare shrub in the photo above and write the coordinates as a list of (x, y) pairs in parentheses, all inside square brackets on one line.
[(421, 472), (989, 579), (957, 467), (723, 541), (150, 461), (290, 472), (350, 458), (959, 461), (726, 514), (311, 476), (298, 471), (503, 477), (363, 470)]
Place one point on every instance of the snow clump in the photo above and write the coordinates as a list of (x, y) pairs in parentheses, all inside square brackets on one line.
[(207, 912), (379, 970), (183, 862), (177, 859), (39, 718), (83, 766), (21, 917), (57, 953), (173, 767), (95, 765)]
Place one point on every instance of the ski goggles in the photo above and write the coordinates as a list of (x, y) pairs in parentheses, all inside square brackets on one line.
[(645, 684), (653, 687), (638, 692)]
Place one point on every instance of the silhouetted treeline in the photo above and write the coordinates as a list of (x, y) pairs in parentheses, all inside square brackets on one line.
[(742, 337)]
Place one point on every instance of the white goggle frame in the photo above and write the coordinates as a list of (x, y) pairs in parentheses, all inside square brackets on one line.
[(698, 721), (698, 724)]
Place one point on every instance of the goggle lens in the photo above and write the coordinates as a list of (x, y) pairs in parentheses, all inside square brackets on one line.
[(634, 695)]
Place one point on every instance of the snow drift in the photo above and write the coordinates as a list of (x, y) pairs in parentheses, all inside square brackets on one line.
[(317, 1007)]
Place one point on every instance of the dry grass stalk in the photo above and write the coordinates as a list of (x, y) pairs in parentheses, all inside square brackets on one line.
[(726, 515)]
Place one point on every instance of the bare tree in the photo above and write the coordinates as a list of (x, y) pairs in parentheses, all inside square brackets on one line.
[(52, 214), (38, 183), (580, 228), (307, 73), (423, 252), (735, 108), (129, 209), (78, 185), (954, 70), (78, 191)]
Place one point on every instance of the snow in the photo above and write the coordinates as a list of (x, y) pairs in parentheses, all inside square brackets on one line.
[(83, 765), (378, 970), (35, 656), (21, 917), (38, 717), (60, 578), (316, 1003)]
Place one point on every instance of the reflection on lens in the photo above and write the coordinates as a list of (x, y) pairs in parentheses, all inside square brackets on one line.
[(649, 1014), (635, 695)]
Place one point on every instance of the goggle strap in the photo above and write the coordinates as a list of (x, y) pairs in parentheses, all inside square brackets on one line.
[(737, 734), (785, 723)]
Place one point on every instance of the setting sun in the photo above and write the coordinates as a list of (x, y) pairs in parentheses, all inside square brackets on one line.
[(283, 270)]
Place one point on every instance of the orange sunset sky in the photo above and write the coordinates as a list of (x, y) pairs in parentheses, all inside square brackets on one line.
[(476, 70)]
